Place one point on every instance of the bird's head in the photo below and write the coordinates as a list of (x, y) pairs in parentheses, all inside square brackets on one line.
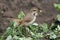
[(34, 11)]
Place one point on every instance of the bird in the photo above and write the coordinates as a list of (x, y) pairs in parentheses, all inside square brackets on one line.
[(28, 19)]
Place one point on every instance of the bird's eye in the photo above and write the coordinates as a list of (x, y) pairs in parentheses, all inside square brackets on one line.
[(34, 10)]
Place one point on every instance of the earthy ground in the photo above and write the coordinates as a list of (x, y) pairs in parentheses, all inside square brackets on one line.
[(10, 8)]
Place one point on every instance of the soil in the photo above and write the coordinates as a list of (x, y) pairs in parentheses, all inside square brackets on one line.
[(11, 8)]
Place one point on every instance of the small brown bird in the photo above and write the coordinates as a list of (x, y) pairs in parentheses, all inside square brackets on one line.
[(28, 19)]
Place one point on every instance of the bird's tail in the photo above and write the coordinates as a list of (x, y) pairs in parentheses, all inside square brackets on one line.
[(14, 19), (9, 18)]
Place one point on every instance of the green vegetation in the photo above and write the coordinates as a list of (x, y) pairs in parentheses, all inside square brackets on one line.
[(32, 32), (57, 6), (21, 15)]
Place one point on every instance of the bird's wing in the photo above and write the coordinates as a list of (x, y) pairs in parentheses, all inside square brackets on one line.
[(28, 18)]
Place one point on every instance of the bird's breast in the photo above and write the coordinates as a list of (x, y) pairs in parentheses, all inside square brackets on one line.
[(31, 21)]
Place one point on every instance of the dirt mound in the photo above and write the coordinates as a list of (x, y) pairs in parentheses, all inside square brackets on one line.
[(10, 8)]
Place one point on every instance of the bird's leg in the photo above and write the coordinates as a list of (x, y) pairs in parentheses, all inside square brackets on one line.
[(25, 31), (20, 31)]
